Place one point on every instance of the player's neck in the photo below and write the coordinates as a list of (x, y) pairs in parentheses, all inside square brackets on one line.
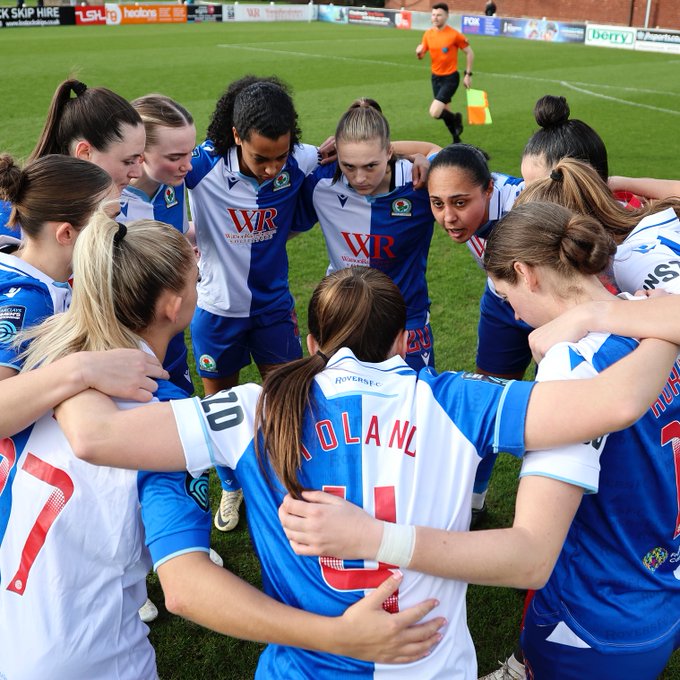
[(157, 338), (146, 184), (50, 261)]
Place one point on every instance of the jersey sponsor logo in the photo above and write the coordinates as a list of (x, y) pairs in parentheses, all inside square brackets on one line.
[(281, 181), (343, 199), (232, 181), (207, 363), (663, 273), (655, 558), (197, 490), (170, 197), (11, 322), (374, 246), (252, 226), (401, 207)]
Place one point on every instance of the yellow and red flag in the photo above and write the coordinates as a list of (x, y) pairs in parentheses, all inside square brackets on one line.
[(478, 108)]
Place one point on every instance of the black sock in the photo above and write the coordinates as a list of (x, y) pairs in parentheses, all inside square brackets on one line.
[(453, 122), (449, 120)]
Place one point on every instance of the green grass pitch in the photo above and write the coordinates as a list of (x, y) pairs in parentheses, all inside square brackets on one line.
[(631, 98)]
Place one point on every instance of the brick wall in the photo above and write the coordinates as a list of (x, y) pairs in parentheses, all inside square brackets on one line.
[(663, 13)]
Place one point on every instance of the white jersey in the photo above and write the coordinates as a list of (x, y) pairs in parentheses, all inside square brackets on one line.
[(73, 566), (402, 445), (649, 258)]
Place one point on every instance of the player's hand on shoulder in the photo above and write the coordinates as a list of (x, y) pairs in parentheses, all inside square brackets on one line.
[(327, 152), (570, 326), (421, 167), (122, 373)]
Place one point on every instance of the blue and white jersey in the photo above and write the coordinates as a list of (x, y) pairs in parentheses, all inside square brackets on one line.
[(506, 189), (241, 230), (390, 232), (166, 205), (616, 584), (8, 236), (402, 445), (27, 297), (175, 505), (649, 258)]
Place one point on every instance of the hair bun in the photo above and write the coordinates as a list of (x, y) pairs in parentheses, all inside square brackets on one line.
[(11, 179), (551, 111)]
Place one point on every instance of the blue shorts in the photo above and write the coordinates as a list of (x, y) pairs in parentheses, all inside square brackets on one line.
[(502, 341), (420, 348), (444, 87), (223, 345), (547, 660)]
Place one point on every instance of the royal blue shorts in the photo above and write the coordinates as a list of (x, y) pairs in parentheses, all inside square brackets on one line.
[(224, 345), (420, 348), (554, 660)]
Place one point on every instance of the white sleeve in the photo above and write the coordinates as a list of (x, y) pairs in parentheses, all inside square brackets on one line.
[(307, 157), (216, 430), (577, 464), (649, 260)]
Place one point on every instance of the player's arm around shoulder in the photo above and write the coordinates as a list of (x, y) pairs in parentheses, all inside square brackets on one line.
[(136, 438), (567, 412)]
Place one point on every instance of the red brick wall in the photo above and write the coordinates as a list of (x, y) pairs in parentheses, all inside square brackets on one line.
[(663, 13)]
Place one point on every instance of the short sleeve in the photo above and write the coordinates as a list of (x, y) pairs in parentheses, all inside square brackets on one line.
[(175, 513), (25, 307), (577, 464), (218, 429)]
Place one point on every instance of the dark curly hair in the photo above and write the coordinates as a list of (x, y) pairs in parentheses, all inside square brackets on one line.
[(253, 104)]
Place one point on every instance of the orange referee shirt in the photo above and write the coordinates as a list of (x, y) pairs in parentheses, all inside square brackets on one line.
[(443, 46)]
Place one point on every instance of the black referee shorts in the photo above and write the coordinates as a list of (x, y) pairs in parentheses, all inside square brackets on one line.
[(444, 87)]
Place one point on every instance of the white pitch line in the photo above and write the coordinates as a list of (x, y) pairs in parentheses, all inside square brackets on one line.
[(619, 101), (578, 86), (317, 56)]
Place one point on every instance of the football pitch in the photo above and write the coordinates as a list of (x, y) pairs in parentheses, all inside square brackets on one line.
[(631, 98)]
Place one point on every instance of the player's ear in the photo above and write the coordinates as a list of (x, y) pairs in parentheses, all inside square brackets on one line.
[(83, 150), (312, 345), (237, 138), (527, 275), (65, 234), (400, 345)]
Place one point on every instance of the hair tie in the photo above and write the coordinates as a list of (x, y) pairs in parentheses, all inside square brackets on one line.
[(557, 175), (322, 355), (79, 88), (120, 234)]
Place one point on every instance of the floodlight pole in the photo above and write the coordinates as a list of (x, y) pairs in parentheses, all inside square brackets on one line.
[(649, 8)]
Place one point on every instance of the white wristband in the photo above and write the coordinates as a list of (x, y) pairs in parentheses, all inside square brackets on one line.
[(397, 544)]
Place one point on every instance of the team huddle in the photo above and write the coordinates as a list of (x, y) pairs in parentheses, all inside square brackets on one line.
[(361, 465)]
